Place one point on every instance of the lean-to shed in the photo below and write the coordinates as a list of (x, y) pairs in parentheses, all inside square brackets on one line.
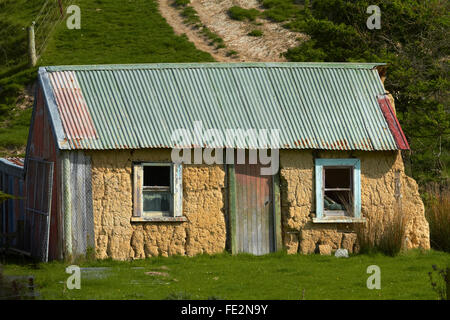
[(162, 159)]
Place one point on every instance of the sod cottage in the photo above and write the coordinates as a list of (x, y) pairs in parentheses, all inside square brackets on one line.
[(130, 161)]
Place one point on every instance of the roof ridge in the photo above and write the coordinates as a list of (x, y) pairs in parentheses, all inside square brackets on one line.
[(145, 66)]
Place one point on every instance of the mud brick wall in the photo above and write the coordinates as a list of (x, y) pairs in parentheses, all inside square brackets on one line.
[(381, 174), (204, 205), (119, 238)]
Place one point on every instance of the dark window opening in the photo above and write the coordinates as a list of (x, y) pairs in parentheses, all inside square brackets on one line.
[(338, 194), (337, 178), (157, 176), (156, 192)]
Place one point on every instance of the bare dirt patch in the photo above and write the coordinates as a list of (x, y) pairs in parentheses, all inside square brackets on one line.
[(213, 13), (173, 18)]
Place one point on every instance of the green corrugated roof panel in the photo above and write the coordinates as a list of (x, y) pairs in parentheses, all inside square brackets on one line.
[(329, 106)]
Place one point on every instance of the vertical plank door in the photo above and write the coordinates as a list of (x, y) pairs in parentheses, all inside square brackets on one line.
[(254, 210)]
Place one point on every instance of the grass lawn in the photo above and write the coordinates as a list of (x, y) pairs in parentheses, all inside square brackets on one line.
[(120, 32), (223, 276)]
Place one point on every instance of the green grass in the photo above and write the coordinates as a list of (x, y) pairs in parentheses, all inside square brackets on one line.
[(241, 14), (255, 33), (214, 38), (232, 53), (181, 3), (280, 10), (190, 16), (121, 32), (111, 32), (274, 276)]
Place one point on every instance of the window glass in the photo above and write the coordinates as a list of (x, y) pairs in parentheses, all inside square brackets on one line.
[(156, 201), (157, 176)]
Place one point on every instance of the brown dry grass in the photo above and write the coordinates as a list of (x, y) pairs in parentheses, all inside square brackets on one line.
[(437, 211), (383, 232)]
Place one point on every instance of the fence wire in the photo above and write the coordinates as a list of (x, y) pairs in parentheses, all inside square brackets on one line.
[(14, 37), (50, 15)]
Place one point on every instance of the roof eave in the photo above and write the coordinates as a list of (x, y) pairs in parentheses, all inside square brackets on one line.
[(52, 109)]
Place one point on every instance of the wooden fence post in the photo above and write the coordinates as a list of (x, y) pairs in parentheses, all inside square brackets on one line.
[(31, 46)]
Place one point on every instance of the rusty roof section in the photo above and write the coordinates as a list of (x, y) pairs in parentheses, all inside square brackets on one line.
[(14, 161), (72, 107), (331, 106)]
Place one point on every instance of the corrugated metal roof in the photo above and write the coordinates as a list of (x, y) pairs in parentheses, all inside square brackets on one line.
[(330, 106), (14, 161)]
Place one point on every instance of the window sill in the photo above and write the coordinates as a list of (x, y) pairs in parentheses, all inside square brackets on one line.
[(158, 219), (339, 219)]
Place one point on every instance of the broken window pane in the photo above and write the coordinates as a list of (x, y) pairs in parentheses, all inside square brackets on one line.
[(338, 199), (337, 178)]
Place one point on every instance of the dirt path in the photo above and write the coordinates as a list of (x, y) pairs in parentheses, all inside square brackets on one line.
[(213, 13), (173, 18)]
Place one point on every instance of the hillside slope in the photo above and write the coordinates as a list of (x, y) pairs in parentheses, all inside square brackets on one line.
[(413, 41), (111, 32)]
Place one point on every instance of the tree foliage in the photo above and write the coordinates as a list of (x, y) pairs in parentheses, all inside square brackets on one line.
[(413, 40)]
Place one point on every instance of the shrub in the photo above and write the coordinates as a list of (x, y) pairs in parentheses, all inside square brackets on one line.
[(255, 33), (241, 14), (181, 3), (215, 39), (232, 53), (437, 211), (190, 16), (280, 10), (382, 233)]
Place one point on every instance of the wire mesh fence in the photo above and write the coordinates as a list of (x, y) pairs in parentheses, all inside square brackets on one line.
[(51, 13), (14, 36)]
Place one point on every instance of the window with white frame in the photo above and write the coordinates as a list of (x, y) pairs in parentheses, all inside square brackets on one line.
[(157, 190), (338, 188)]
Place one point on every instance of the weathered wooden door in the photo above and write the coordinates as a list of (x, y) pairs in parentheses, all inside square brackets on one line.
[(254, 210)]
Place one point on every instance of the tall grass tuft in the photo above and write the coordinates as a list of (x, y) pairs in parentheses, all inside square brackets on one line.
[(437, 210), (383, 233)]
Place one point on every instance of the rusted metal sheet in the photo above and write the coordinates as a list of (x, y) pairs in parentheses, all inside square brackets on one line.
[(42, 145), (314, 105), (72, 107), (15, 160), (392, 121), (254, 210), (38, 201)]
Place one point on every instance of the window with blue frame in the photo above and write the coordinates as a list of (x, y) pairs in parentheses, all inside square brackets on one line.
[(338, 188)]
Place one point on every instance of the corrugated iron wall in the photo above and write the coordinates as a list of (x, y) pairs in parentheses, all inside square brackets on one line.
[(12, 210), (42, 145), (82, 218)]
